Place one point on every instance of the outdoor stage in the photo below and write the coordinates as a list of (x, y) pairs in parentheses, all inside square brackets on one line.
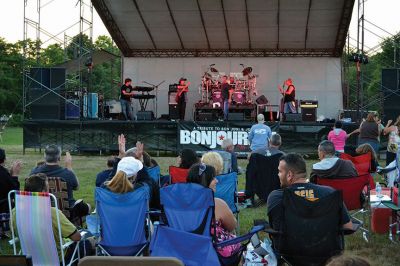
[(163, 137)]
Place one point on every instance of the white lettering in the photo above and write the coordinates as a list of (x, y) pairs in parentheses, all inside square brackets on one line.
[(185, 137), (195, 137)]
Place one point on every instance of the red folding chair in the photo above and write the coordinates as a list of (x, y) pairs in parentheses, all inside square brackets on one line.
[(178, 175), (356, 191), (362, 163)]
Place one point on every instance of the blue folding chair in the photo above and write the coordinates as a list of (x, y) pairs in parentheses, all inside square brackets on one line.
[(122, 221), (155, 173), (226, 190), (186, 233)]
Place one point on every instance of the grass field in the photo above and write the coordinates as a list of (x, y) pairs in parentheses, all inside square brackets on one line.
[(379, 251)]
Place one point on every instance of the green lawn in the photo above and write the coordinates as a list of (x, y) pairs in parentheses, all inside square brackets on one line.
[(379, 251)]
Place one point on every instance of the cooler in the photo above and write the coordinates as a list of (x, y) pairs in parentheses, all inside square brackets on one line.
[(380, 214)]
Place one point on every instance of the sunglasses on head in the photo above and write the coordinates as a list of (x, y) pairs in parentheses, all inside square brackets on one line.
[(202, 168)]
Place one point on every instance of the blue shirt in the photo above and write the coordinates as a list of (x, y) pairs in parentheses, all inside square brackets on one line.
[(259, 136), (102, 177)]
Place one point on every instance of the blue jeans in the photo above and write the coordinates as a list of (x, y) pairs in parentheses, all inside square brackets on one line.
[(289, 107), (373, 143), (126, 109), (226, 108)]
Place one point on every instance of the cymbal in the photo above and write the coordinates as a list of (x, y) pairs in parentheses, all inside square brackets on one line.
[(247, 71), (214, 70)]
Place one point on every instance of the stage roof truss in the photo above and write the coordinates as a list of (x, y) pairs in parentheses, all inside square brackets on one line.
[(249, 28)]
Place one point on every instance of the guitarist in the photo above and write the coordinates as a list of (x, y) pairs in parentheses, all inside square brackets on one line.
[(181, 97), (289, 97)]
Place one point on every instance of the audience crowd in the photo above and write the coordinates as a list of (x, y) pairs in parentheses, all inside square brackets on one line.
[(132, 169)]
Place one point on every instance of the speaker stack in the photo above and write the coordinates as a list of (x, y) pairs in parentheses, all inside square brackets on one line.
[(172, 104), (391, 93), (309, 110), (45, 93)]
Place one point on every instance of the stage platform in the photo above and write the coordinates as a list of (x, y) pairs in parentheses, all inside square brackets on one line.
[(166, 138)]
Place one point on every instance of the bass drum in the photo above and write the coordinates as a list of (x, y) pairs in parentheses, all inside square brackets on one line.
[(238, 97), (217, 96)]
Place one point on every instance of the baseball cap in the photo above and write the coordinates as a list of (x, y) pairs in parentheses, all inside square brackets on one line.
[(130, 166), (182, 79)]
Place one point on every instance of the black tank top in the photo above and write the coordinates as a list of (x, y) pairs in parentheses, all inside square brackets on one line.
[(290, 97)]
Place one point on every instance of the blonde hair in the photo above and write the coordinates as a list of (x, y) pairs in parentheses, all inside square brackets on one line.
[(215, 160), (120, 183), (365, 148)]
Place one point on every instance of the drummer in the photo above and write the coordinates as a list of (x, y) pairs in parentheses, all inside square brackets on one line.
[(226, 95)]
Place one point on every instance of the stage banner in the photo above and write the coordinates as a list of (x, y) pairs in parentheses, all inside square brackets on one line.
[(205, 136)]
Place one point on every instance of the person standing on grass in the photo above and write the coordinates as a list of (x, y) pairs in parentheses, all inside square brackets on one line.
[(260, 134)]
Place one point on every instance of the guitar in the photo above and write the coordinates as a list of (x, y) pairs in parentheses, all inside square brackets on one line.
[(181, 89)]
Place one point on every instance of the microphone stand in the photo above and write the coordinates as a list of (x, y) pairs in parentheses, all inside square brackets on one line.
[(155, 87)]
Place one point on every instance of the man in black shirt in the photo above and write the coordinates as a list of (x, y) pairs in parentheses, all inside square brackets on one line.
[(293, 175), (289, 97), (226, 96), (126, 95), (181, 97)]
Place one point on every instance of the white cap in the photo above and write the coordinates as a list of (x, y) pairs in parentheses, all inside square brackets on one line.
[(130, 166)]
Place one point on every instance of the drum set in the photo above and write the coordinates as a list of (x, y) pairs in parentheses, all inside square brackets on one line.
[(243, 85)]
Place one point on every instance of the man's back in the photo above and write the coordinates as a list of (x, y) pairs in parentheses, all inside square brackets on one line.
[(64, 173), (311, 192), (259, 136), (333, 168)]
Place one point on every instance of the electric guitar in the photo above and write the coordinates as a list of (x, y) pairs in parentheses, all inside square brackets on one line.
[(182, 89)]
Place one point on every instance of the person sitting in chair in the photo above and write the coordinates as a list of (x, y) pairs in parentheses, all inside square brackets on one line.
[(293, 175), (39, 183), (225, 220), (273, 146), (8, 180), (331, 166), (105, 174)]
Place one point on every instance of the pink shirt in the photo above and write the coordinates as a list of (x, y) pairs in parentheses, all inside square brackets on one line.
[(338, 137)]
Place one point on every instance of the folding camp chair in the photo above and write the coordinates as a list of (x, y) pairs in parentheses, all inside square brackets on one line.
[(356, 191), (312, 230), (35, 231), (177, 174), (122, 220), (362, 163), (189, 214), (226, 189), (154, 172)]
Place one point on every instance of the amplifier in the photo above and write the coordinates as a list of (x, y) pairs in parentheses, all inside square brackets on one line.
[(309, 114), (173, 111), (172, 97), (204, 117), (173, 87), (145, 115), (292, 117), (309, 104)]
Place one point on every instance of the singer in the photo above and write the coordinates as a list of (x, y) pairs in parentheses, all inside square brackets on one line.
[(289, 97)]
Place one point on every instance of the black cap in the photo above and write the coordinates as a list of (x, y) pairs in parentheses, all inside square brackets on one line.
[(2, 155), (182, 79)]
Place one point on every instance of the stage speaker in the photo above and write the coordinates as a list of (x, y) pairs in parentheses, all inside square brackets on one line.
[(46, 87), (235, 116), (391, 93), (172, 97), (262, 100), (309, 114), (292, 117), (204, 117), (72, 109), (145, 115), (173, 111)]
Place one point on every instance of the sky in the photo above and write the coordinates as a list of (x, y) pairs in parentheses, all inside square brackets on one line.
[(58, 15)]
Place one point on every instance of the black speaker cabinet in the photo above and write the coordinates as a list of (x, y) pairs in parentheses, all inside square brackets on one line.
[(172, 97), (292, 117), (46, 87), (235, 116), (173, 111), (262, 100), (391, 92), (204, 117), (309, 114)]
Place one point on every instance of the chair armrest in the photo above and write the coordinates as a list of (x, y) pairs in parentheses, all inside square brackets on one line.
[(242, 238)]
